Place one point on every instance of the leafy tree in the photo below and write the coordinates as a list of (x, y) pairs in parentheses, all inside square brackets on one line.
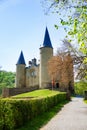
[(80, 87), (7, 79)]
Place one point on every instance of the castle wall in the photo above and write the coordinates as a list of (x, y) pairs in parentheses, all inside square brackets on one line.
[(45, 54), (7, 92), (32, 76)]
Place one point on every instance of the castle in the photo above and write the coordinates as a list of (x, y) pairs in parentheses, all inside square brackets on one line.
[(36, 75)]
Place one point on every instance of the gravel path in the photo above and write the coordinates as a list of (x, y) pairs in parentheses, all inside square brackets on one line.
[(73, 116)]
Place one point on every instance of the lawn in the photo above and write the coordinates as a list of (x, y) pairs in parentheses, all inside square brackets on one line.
[(37, 93)]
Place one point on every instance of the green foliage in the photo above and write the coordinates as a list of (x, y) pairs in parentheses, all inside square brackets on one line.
[(15, 113), (80, 87), (39, 121), (7, 79), (56, 26), (80, 29), (6, 121)]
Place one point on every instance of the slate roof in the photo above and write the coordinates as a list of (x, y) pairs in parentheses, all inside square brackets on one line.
[(21, 59), (47, 41)]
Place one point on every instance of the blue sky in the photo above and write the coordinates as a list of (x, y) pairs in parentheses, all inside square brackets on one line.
[(22, 27)]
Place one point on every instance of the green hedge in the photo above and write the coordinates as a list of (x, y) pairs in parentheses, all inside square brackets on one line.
[(15, 113)]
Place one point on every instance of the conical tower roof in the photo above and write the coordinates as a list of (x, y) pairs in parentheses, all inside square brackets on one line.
[(47, 41), (21, 59)]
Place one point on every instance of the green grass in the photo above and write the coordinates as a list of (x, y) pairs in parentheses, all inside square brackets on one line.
[(37, 93), (41, 120)]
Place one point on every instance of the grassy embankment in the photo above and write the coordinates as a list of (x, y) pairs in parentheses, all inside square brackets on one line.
[(37, 94)]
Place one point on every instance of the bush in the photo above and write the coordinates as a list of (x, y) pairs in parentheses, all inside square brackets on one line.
[(80, 87), (6, 115), (15, 113)]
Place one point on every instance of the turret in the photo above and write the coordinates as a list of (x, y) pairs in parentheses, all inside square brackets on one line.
[(20, 72), (46, 52)]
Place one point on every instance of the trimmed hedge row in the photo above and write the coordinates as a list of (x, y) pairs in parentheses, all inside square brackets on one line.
[(15, 113)]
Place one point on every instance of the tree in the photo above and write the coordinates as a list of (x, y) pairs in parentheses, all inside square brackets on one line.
[(60, 69), (54, 67), (75, 22), (77, 56), (7, 79)]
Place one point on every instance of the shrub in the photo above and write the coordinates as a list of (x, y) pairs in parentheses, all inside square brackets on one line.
[(80, 87), (15, 113), (6, 115)]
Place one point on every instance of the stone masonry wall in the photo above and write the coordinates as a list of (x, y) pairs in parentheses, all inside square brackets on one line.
[(7, 92)]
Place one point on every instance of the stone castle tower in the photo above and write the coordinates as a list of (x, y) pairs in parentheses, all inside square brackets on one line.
[(20, 72), (46, 52)]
